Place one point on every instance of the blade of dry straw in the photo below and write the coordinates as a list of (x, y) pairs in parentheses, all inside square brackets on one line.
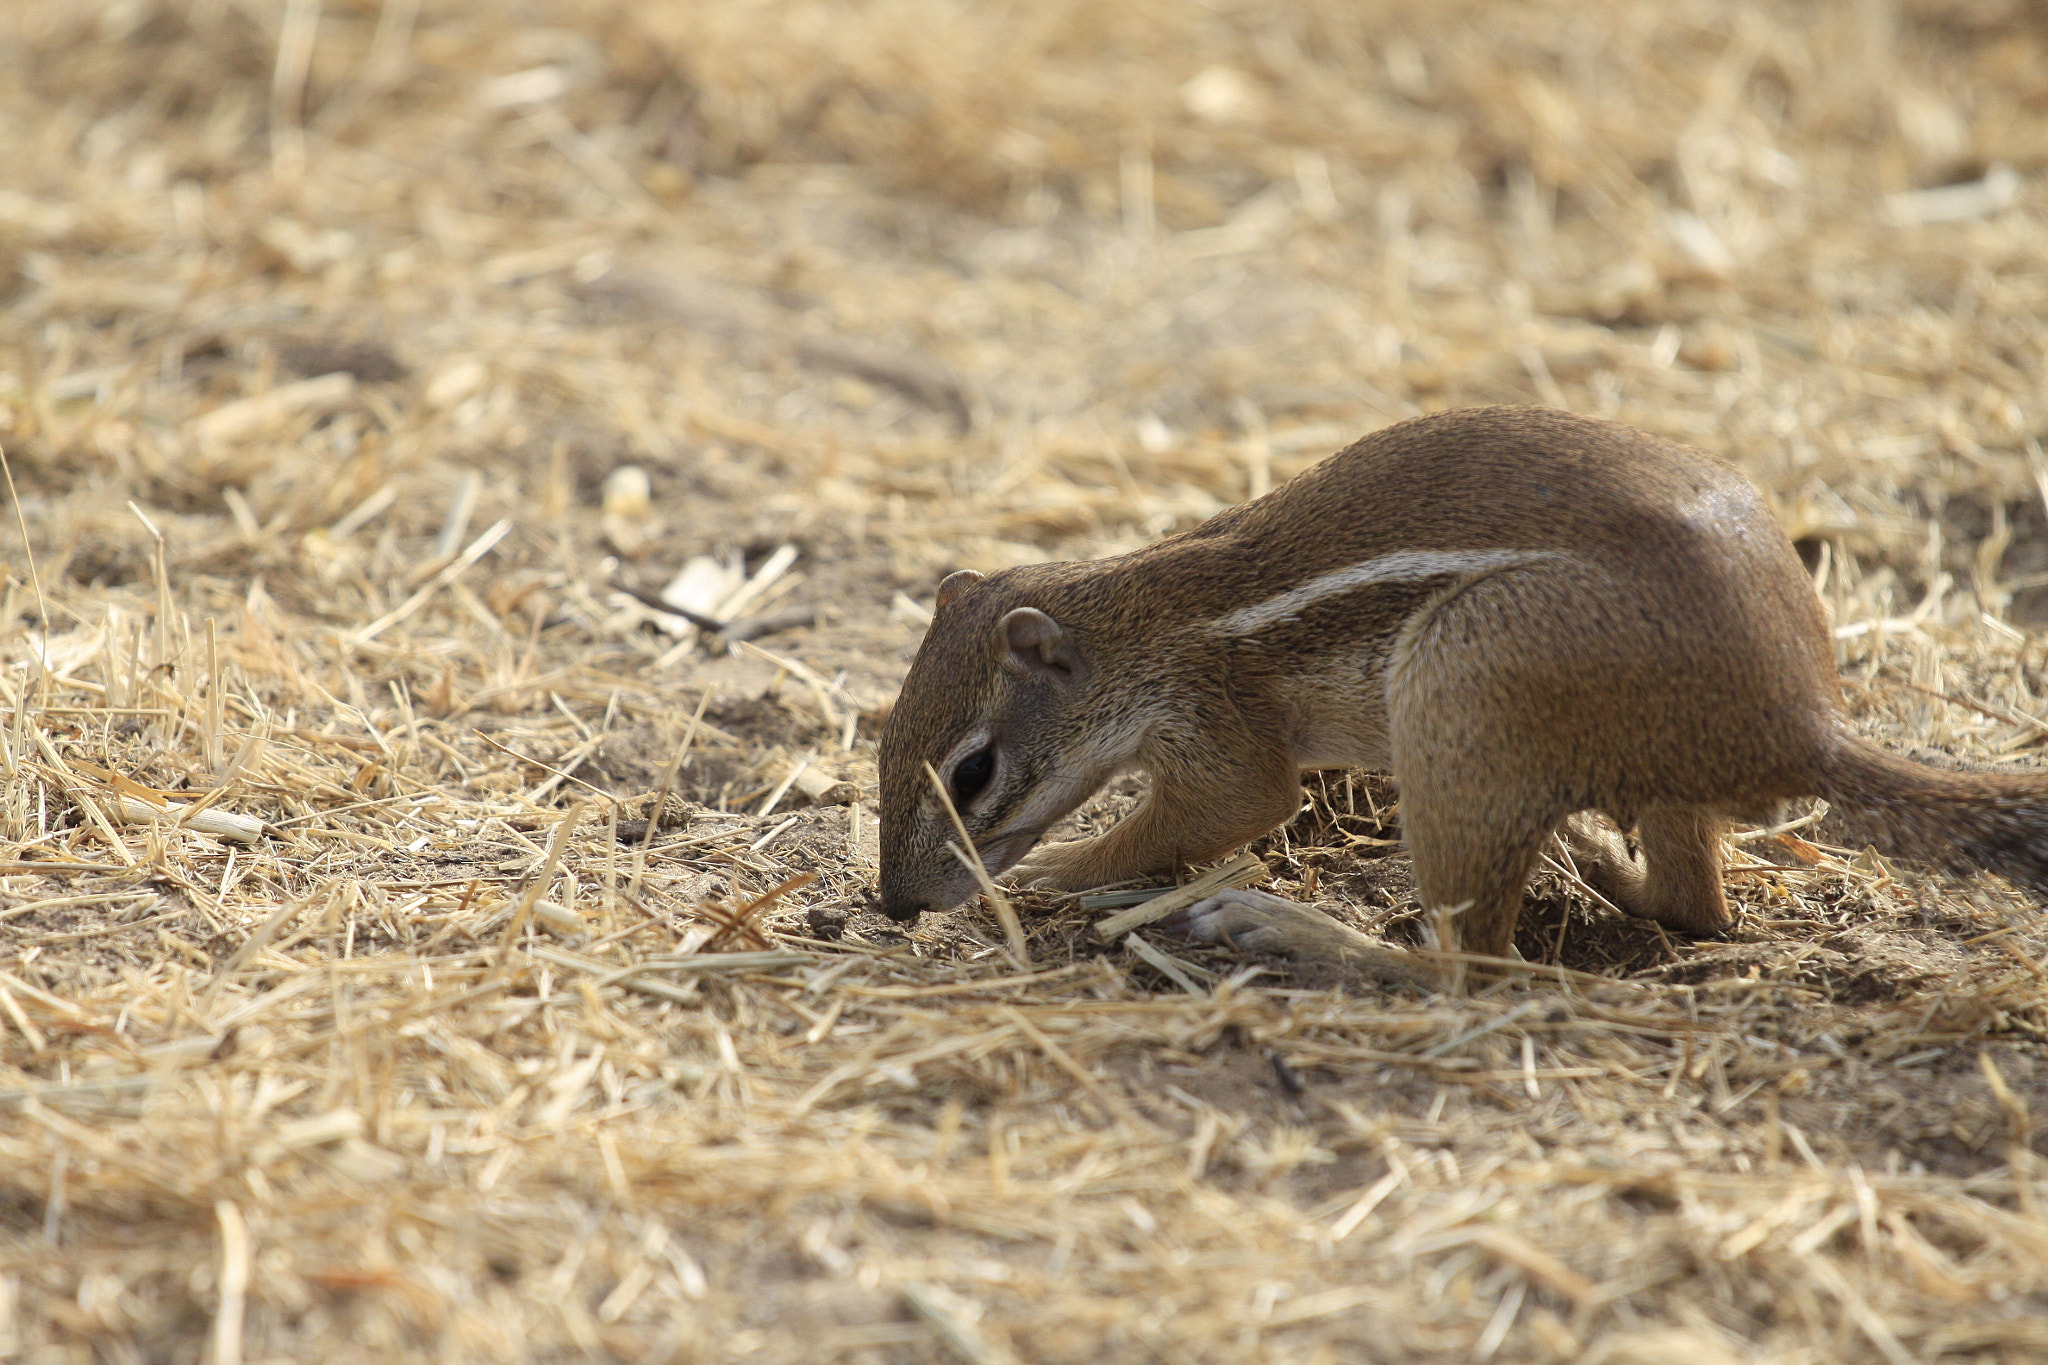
[(572, 758), (967, 1343), (53, 866), (253, 945), (226, 1343), (556, 843), (1109, 1100), (698, 964), (28, 1030), (1242, 870), (161, 571), (215, 713), (970, 856), (478, 548), (821, 689), (198, 816), (75, 789), (668, 782), (456, 525), (774, 798), (21, 519), (41, 996), (1181, 973), (295, 40)]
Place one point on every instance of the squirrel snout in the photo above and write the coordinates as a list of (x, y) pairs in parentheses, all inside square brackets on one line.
[(901, 908)]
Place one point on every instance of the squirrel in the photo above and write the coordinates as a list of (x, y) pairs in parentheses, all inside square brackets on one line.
[(1525, 616)]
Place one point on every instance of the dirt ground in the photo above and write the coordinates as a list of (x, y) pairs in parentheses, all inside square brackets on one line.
[(368, 367)]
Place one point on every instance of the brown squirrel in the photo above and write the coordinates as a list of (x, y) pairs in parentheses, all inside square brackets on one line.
[(1520, 613)]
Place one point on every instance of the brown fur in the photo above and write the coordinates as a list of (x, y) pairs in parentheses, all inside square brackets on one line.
[(1618, 625)]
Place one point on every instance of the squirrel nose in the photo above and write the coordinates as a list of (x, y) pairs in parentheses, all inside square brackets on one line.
[(903, 909)]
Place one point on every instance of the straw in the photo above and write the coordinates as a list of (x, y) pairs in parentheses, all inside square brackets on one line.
[(408, 1066)]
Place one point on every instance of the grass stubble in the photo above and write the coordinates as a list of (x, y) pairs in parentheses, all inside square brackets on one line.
[(365, 365)]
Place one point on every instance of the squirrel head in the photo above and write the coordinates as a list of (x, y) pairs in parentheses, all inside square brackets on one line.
[(992, 706)]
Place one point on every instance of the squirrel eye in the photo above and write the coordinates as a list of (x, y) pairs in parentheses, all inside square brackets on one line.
[(971, 774)]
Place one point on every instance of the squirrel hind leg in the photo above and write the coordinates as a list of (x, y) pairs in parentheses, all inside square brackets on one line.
[(1471, 868), (1674, 877)]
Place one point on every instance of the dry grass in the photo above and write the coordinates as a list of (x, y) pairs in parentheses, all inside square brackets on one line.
[(329, 326)]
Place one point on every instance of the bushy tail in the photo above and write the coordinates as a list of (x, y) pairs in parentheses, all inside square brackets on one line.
[(1962, 821)]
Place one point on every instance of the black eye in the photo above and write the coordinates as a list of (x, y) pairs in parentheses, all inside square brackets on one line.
[(971, 774)]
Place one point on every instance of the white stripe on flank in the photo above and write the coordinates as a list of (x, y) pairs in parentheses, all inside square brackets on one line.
[(1403, 566)]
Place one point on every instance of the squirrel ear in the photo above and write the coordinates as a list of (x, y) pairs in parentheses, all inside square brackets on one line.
[(1028, 641), (955, 583)]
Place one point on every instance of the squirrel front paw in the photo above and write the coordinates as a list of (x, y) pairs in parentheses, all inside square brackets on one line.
[(1259, 922), (1056, 867), (1265, 924)]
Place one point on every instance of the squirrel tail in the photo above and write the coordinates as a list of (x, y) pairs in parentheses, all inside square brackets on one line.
[(1961, 821)]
